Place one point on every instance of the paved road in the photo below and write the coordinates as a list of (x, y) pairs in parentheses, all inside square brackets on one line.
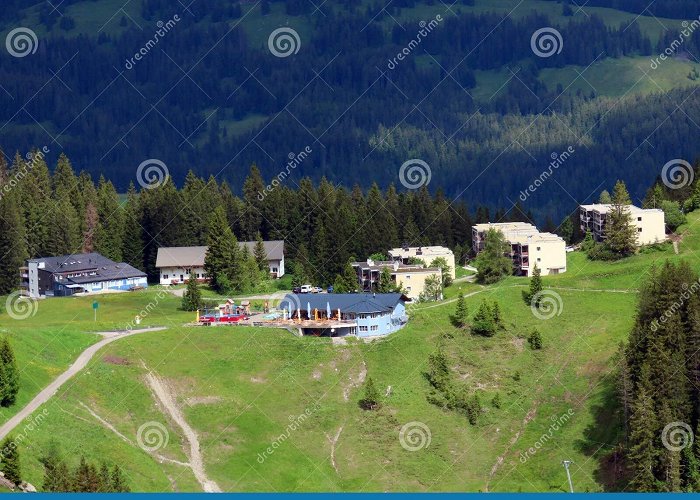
[(73, 369)]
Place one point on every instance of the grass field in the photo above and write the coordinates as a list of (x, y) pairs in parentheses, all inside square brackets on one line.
[(240, 388)]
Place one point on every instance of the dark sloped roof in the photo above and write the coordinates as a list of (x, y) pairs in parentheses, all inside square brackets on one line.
[(274, 249), (112, 272), (74, 262), (194, 256), (347, 302)]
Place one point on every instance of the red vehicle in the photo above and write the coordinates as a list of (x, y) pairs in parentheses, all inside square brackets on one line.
[(209, 318)]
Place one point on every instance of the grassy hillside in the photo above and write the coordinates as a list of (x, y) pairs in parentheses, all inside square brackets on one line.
[(240, 389)]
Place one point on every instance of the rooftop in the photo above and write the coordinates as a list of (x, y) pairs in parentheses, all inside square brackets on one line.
[(346, 302), (99, 267), (194, 256), (518, 232), (604, 208)]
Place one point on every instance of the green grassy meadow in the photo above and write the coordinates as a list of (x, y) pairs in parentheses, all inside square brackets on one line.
[(240, 388)]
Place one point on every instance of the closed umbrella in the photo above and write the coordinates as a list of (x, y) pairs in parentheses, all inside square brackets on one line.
[(308, 310), (328, 310)]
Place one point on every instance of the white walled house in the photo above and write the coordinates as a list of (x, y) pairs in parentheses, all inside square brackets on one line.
[(528, 247), (649, 222), (177, 265)]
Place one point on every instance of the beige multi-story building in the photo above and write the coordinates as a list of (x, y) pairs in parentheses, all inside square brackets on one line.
[(411, 278), (528, 247), (650, 222), (426, 254)]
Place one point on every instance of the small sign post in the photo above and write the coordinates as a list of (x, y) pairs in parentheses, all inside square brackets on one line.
[(95, 305)]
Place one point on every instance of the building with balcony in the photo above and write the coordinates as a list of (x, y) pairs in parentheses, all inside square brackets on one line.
[(411, 278), (649, 222), (527, 247), (408, 255)]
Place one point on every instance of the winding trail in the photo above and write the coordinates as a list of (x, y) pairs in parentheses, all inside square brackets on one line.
[(80, 363), (161, 391)]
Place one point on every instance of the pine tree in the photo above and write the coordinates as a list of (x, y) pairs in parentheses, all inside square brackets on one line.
[(350, 278), (9, 381), (644, 432), (12, 240), (386, 282), (483, 323), (370, 401), (192, 298), (119, 484), (105, 479), (132, 243), (473, 409), (491, 263), (438, 371), (222, 261), (461, 316), (621, 234), (496, 401), (260, 253), (54, 476), (535, 288), (446, 270), (10, 464), (497, 316), (535, 340)]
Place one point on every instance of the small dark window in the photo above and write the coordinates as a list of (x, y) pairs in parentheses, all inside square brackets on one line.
[(639, 219)]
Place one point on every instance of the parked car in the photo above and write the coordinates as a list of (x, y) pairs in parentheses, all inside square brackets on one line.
[(330, 289), (305, 289), (296, 289), (316, 289)]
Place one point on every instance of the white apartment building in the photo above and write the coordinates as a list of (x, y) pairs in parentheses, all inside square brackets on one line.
[(426, 254), (650, 222), (528, 247)]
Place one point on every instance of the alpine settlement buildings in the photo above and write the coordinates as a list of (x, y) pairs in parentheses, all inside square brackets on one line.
[(650, 222), (178, 264), (528, 247), (407, 255), (80, 273), (410, 277)]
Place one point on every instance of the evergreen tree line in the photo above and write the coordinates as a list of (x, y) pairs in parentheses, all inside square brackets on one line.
[(659, 383), (324, 226), (85, 477)]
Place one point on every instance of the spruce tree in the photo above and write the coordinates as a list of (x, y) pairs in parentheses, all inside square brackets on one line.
[(491, 263), (370, 400), (461, 316), (10, 464), (260, 253), (12, 240), (644, 435), (9, 381), (621, 234), (483, 323), (535, 340), (192, 298), (54, 480), (119, 484), (222, 261), (132, 243), (535, 288)]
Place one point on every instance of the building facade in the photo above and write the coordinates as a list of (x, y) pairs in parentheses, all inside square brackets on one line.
[(406, 255), (649, 222), (411, 278), (343, 314), (527, 247), (177, 265), (66, 275)]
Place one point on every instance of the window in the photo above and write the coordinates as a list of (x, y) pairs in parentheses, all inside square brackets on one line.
[(539, 260), (198, 276), (639, 219), (363, 328), (375, 328), (538, 248), (188, 271), (639, 229)]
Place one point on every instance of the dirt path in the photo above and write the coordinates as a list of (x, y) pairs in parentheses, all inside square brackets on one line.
[(334, 442), (80, 363), (163, 394)]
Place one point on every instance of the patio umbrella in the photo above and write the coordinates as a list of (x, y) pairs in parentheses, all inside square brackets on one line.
[(308, 310), (328, 310)]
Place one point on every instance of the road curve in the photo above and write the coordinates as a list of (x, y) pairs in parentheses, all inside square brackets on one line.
[(80, 363)]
